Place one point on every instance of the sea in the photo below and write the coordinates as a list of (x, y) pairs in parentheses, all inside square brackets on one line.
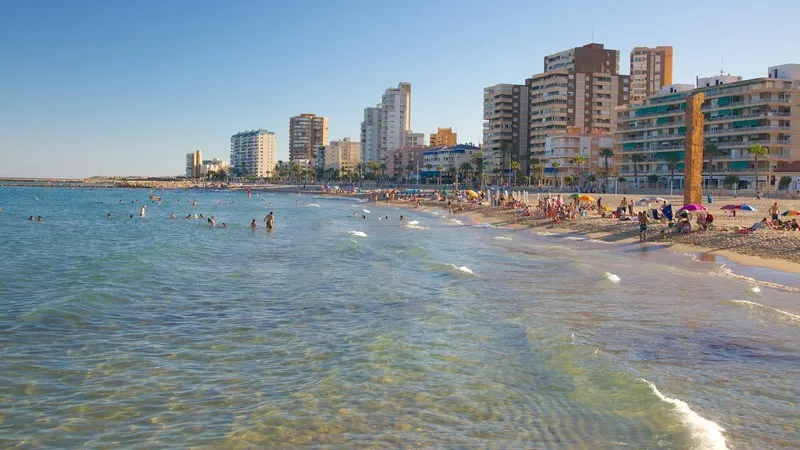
[(347, 327)]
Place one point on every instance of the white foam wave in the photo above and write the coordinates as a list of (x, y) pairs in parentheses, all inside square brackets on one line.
[(456, 221), (706, 433), (464, 269), (435, 213), (543, 233), (358, 233), (598, 241), (750, 304), (415, 227), (611, 277), (574, 238), (755, 289), (414, 222), (313, 204), (502, 238), (366, 211), (728, 273)]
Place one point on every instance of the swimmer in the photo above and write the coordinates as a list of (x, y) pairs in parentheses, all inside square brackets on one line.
[(297, 202), (130, 217), (30, 218), (364, 217), (270, 221), (172, 216), (253, 224), (194, 202), (211, 221), (202, 216), (141, 211), (189, 216), (108, 215), (401, 217), (224, 225), (386, 218)]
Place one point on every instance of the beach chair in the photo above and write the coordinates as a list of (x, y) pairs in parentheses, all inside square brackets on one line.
[(749, 230)]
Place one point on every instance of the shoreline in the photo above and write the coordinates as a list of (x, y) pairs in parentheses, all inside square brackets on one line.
[(625, 233)]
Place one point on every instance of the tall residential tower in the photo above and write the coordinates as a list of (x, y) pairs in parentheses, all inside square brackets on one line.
[(651, 69), (307, 133), (386, 126), (253, 153)]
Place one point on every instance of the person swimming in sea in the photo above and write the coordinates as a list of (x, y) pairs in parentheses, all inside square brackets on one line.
[(270, 221), (142, 211), (30, 218), (253, 224), (224, 225), (172, 216), (211, 221), (401, 217), (108, 215)]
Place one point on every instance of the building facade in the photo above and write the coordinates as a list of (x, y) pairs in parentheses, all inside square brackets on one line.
[(443, 137), (581, 87), (564, 148), (506, 120), (213, 165), (194, 163), (307, 132), (253, 153), (344, 155), (387, 125), (415, 140), (445, 158), (651, 69), (737, 114), (405, 161)]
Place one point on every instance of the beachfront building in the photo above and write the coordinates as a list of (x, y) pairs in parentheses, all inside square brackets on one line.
[(215, 165), (194, 162), (563, 149), (651, 69), (343, 155), (415, 140), (738, 114), (580, 87), (438, 161), (505, 123), (405, 162), (387, 125), (253, 153), (443, 137), (790, 171), (307, 133)]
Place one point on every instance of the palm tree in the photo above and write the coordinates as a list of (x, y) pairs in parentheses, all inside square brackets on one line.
[(672, 160), (514, 168), (428, 168), (555, 171), (478, 160), (606, 153), (453, 173), (505, 151), (569, 180), (409, 169), (580, 160), (465, 168), (440, 169), (636, 159), (757, 150), (533, 163), (382, 168), (710, 151)]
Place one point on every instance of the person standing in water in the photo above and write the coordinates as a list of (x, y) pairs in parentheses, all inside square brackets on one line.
[(253, 224), (270, 221), (142, 210)]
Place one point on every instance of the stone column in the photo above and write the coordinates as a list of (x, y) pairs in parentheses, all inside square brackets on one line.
[(693, 155)]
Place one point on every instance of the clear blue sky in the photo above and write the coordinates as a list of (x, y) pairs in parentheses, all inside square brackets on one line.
[(129, 87)]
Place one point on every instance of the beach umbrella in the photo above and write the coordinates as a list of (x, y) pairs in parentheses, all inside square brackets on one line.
[(745, 207), (731, 207), (791, 212), (692, 207), (472, 193), (575, 195), (586, 198)]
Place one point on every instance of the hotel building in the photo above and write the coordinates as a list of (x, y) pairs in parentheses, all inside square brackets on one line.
[(387, 125), (307, 133), (253, 153), (737, 114)]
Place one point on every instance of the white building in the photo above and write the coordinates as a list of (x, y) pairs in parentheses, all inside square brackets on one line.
[(673, 88), (213, 165), (386, 126), (447, 157), (343, 155), (253, 153), (717, 80), (414, 140), (784, 71)]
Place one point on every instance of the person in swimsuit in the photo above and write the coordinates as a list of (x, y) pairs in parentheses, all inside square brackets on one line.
[(270, 221), (642, 226), (253, 224)]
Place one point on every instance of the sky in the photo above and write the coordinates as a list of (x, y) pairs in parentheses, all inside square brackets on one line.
[(129, 87)]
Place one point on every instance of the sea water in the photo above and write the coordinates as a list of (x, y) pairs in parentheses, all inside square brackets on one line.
[(349, 332)]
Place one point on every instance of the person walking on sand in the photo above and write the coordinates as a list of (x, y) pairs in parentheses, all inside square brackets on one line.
[(642, 226), (270, 221)]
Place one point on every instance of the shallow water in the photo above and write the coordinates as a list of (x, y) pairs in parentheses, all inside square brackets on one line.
[(349, 332)]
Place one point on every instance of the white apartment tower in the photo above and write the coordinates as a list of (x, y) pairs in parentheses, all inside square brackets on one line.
[(386, 126), (253, 153)]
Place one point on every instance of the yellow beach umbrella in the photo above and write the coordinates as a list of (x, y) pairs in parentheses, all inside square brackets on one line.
[(472, 193), (586, 198)]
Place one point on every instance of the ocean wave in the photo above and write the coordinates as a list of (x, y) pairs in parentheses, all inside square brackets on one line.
[(728, 273), (598, 241), (358, 233), (780, 312), (313, 205), (574, 238), (611, 277), (456, 221), (706, 433), (414, 222), (366, 211), (464, 269), (543, 233), (755, 289), (502, 238), (415, 227)]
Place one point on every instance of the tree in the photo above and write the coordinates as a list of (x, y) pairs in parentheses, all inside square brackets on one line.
[(710, 151), (453, 171), (478, 160), (533, 163), (465, 168), (757, 150), (636, 159), (784, 182), (409, 170), (555, 171), (606, 153), (569, 180), (652, 179), (440, 169), (672, 160), (580, 160), (505, 152), (428, 168), (514, 168), (730, 180), (382, 168)]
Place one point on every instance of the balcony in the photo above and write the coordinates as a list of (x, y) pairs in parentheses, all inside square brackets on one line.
[(745, 130), (747, 116)]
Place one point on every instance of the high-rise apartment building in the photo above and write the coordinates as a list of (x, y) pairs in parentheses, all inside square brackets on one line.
[(253, 153), (443, 137), (343, 155), (581, 88), (194, 162), (307, 133), (737, 114), (564, 148), (651, 69), (505, 120), (387, 125)]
